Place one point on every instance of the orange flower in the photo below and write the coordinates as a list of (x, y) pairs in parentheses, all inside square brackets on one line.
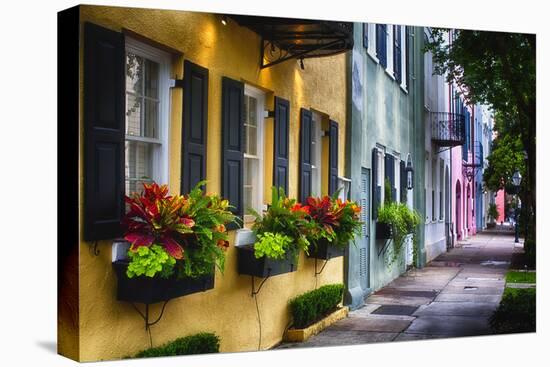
[(223, 244), (219, 228)]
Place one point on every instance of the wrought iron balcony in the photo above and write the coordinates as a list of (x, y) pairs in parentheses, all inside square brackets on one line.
[(447, 129)]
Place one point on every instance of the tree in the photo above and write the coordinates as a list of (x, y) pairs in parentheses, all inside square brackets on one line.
[(498, 69)]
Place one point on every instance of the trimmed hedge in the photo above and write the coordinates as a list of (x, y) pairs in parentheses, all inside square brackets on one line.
[(516, 312), (308, 308), (193, 344)]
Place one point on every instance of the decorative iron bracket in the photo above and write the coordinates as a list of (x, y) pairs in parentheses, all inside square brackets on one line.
[(276, 55)]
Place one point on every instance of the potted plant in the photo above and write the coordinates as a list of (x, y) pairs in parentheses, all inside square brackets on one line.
[(280, 235), (383, 228), (336, 223), (176, 242), (402, 221)]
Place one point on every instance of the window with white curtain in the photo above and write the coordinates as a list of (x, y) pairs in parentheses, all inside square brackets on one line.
[(147, 105), (253, 151)]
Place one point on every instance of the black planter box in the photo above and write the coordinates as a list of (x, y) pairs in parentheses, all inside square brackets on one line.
[(263, 267), (383, 231), (325, 250), (148, 290)]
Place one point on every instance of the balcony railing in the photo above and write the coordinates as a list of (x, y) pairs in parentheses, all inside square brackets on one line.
[(447, 129)]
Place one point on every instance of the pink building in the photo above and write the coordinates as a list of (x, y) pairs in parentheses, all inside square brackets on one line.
[(499, 201)]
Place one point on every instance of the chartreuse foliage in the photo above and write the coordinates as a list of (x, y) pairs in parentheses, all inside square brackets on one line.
[(149, 261), (272, 245), (190, 229), (193, 344), (311, 306)]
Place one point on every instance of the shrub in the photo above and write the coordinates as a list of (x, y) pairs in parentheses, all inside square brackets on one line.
[(516, 312), (193, 344), (311, 306)]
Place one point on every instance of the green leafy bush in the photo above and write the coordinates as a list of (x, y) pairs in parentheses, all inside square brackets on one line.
[(311, 306), (193, 344), (149, 261), (492, 212), (403, 222), (516, 312)]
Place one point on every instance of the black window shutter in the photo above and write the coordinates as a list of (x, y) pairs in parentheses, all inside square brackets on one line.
[(397, 52), (381, 49), (280, 144), (306, 130), (233, 143), (333, 158), (375, 186), (366, 35), (194, 126), (402, 182), (104, 129)]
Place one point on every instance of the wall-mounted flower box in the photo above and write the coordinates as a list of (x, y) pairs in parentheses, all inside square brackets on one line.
[(383, 231), (263, 267), (325, 250), (149, 290)]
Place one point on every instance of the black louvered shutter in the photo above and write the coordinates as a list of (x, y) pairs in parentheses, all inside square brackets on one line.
[(280, 144), (366, 35), (194, 126), (333, 157), (233, 144), (104, 129), (375, 187), (397, 52), (306, 131), (381, 49), (402, 182)]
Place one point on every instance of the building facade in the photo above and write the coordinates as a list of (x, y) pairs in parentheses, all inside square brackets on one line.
[(384, 128), (161, 95)]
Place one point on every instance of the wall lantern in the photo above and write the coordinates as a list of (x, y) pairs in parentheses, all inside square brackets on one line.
[(516, 179), (410, 173)]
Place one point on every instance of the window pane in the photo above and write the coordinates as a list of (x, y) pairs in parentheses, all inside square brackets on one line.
[(151, 79), (252, 140), (134, 73), (138, 164), (150, 128), (250, 177), (252, 112), (133, 115)]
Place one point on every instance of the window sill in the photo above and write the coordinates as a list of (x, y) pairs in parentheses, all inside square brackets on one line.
[(244, 236), (373, 57), (390, 74), (403, 89)]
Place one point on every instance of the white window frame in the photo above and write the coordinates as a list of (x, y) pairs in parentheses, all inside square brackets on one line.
[(260, 106), (371, 48), (381, 152), (160, 171), (317, 124), (397, 175), (389, 50)]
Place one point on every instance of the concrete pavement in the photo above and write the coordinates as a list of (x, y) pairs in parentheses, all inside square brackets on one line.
[(453, 296)]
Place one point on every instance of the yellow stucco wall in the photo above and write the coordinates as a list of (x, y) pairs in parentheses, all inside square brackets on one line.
[(111, 329)]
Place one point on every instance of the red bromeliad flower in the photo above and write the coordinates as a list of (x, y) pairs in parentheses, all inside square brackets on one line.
[(154, 217), (324, 213)]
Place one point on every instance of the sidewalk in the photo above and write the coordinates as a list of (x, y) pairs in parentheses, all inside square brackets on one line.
[(453, 296)]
